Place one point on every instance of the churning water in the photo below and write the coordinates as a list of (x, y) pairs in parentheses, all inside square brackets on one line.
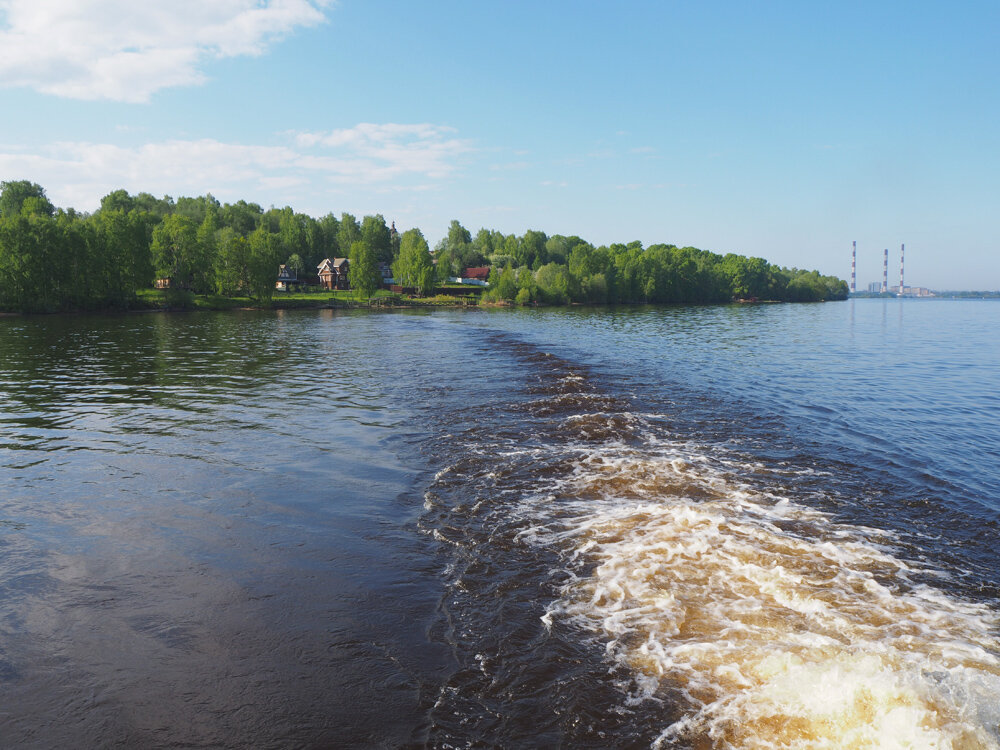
[(722, 527)]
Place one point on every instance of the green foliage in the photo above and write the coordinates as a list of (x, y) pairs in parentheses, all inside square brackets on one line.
[(445, 263), (458, 236), (175, 251), (375, 234), (488, 242), (232, 263), (414, 266), (363, 273), (457, 252), (553, 284), (157, 207), (348, 232), (532, 250), (29, 252), (207, 250), (196, 208), (58, 260), (117, 200), (503, 285), (241, 216), (121, 265), (263, 259), (16, 194), (293, 231), (809, 286)]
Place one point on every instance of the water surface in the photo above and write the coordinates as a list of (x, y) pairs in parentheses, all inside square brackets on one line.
[(743, 526)]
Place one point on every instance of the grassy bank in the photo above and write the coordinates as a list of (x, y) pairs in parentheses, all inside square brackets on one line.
[(165, 299)]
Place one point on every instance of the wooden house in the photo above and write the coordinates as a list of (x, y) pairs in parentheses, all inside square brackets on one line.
[(479, 273), (333, 273), (477, 276), (288, 278)]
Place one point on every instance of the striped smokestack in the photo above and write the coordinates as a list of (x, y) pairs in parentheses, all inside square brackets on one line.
[(854, 266), (885, 271), (902, 250)]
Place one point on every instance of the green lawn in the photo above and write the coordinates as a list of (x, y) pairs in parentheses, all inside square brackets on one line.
[(161, 299)]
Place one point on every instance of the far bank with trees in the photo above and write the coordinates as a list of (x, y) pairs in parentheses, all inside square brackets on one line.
[(54, 259)]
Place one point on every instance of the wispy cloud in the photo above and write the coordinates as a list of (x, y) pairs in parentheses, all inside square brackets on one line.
[(387, 151), (393, 156), (126, 50)]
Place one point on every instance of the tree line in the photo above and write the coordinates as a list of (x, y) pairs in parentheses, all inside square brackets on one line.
[(59, 259)]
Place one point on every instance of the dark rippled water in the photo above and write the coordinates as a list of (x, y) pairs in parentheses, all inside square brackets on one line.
[(746, 526)]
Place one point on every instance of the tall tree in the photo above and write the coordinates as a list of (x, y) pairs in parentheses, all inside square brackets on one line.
[(33, 271), (503, 284), (363, 272), (376, 235), (207, 250), (196, 208), (264, 258), (14, 194), (122, 256), (232, 263), (458, 236), (532, 247), (414, 266), (348, 232), (327, 247), (118, 200), (243, 217), (175, 250)]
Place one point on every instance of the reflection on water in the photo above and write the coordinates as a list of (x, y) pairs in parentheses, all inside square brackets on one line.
[(200, 508), (744, 526)]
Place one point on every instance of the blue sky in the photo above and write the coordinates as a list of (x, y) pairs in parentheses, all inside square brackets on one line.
[(782, 129)]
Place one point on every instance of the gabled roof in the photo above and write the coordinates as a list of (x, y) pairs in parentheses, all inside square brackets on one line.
[(331, 265), (478, 272)]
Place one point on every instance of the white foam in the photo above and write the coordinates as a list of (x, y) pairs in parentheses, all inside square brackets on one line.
[(808, 638)]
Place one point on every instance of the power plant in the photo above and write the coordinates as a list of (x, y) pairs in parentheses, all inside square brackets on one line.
[(875, 287)]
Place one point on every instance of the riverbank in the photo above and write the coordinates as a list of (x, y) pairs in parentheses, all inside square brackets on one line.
[(157, 299)]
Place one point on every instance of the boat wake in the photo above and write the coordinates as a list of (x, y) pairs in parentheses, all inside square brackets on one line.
[(749, 617), (775, 626)]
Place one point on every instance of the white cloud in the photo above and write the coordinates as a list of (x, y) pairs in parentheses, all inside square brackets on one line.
[(386, 151), (125, 50), (396, 156)]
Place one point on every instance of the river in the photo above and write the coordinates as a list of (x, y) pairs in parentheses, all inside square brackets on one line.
[(749, 526)]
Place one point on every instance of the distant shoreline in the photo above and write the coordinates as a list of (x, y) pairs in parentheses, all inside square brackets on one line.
[(201, 304)]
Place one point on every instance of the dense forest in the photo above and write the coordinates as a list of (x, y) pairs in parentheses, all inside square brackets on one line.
[(58, 259)]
